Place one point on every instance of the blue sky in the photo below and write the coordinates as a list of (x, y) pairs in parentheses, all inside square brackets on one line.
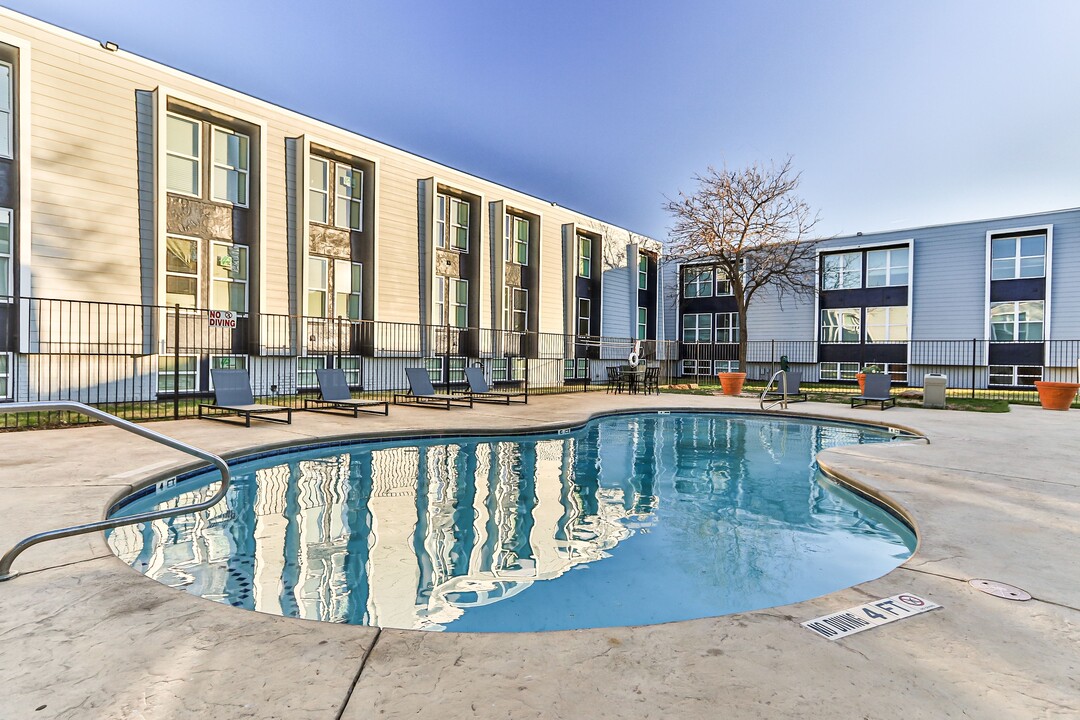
[(897, 114)]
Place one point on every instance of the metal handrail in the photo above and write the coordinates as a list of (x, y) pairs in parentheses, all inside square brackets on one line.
[(783, 401), (70, 406)]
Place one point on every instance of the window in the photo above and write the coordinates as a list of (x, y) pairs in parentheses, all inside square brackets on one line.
[(457, 369), (433, 365), (887, 268), (727, 327), (696, 367), (181, 271), (182, 162), (642, 323), (1020, 321), (575, 369), (516, 247), (887, 324), (317, 282), (230, 177), (184, 375), (6, 265), (584, 316), (349, 203), (508, 369), (723, 285), (306, 365), (584, 259), (839, 370), (348, 278), (841, 326), (227, 362), (451, 223), (897, 371), (5, 375), (1015, 375), (697, 328), (642, 271), (458, 298), (229, 277), (352, 366), (841, 271), (697, 282), (1017, 257), (515, 309), (7, 125), (318, 190), (725, 366)]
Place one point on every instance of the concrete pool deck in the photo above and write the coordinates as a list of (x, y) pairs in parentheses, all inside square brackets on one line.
[(995, 496)]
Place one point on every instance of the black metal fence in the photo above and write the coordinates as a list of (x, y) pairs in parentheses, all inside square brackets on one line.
[(145, 362)]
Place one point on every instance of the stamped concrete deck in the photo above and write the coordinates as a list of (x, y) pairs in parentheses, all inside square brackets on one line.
[(995, 496)]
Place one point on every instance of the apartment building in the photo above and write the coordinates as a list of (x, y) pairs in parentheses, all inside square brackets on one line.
[(990, 303), (135, 197)]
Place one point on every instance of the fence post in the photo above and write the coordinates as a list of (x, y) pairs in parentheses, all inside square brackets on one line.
[(974, 358), (526, 377), (176, 363)]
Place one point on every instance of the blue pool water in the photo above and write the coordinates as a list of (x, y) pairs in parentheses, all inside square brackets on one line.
[(630, 519)]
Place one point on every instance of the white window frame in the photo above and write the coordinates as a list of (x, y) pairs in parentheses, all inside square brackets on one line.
[(699, 277), (838, 370), (731, 327), (7, 376), (446, 303), (324, 290), (456, 368), (241, 172), (575, 368), (898, 376), (246, 365), (841, 326), (720, 366), (434, 365), (1016, 322), (353, 375), (346, 268), (169, 373), (214, 280), (642, 323), (197, 275), (585, 317), (697, 331), (344, 198), (1017, 258), (840, 273), (511, 309), (7, 110), (300, 371), (319, 197), (446, 223), (642, 272), (197, 158), (892, 266), (456, 304), (723, 284), (889, 325), (692, 367), (7, 217), (584, 264), (510, 369), (1014, 375), (512, 241)]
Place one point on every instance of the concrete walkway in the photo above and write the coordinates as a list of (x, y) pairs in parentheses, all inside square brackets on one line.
[(82, 635)]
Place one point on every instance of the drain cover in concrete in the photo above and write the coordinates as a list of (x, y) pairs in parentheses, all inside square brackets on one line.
[(1000, 589)]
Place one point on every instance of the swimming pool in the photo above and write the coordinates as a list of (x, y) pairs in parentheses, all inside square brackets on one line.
[(626, 520)]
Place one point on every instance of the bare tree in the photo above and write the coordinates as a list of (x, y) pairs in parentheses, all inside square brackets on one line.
[(753, 227)]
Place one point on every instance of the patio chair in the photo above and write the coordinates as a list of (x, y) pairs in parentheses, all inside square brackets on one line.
[(652, 379), (480, 391), (876, 390), (616, 380), (421, 392), (335, 396), (793, 393), (232, 393)]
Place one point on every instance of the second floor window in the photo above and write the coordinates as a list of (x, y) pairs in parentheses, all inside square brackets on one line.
[(348, 279), (698, 282), (182, 155), (452, 302), (643, 271), (229, 182), (584, 316), (697, 328), (1018, 257), (515, 309), (841, 271), (887, 268), (727, 327), (584, 261), (6, 270), (318, 273), (229, 286), (181, 271), (841, 326), (642, 323), (1020, 321), (451, 223), (318, 190)]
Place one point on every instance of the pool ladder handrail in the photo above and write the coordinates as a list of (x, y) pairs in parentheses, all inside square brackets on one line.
[(783, 401), (115, 522)]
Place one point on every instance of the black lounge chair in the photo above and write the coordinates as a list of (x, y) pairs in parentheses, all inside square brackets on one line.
[(480, 391), (876, 390), (793, 393), (232, 393), (335, 396), (421, 392), (652, 379)]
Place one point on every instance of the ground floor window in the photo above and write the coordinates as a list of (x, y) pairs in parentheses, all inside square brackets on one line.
[(306, 365), (5, 376), (178, 373), (351, 366), (434, 367), (725, 366), (227, 362), (508, 369), (839, 370), (691, 368), (1015, 375), (897, 371), (575, 368)]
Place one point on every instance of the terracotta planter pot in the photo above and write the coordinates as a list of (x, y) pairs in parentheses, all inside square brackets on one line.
[(1056, 395), (861, 377), (731, 383)]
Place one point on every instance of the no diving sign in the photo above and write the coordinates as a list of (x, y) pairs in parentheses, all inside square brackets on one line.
[(222, 318), (870, 615)]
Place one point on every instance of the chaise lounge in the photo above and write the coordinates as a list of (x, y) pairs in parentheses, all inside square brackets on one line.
[(232, 393), (421, 392), (480, 391), (335, 396)]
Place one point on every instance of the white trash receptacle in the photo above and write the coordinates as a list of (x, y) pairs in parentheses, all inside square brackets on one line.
[(934, 385)]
